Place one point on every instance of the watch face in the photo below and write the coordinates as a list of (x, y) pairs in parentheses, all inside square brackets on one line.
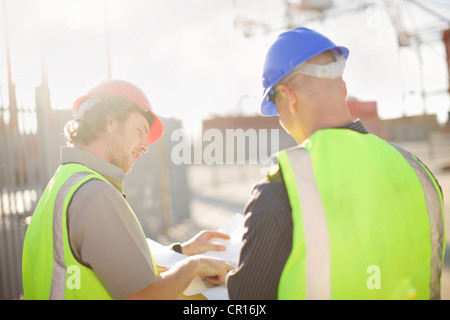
[(176, 247)]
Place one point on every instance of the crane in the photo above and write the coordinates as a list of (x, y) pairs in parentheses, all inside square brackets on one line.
[(411, 33)]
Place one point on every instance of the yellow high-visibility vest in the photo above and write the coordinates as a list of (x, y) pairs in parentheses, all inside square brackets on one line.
[(368, 220), (49, 269)]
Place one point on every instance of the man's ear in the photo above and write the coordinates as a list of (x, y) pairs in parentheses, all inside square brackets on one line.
[(109, 124), (289, 95)]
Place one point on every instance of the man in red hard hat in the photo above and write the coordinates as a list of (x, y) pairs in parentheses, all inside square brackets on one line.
[(84, 241)]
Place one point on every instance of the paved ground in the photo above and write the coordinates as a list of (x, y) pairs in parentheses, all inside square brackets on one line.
[(221, 191)]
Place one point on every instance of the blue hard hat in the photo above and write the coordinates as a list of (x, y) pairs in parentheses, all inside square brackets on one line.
[(289, 50)]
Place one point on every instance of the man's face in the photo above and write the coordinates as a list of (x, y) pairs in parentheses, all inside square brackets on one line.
[(127, 141)]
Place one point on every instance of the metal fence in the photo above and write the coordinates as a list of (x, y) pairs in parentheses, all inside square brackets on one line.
[(20, 187), (30, 139)]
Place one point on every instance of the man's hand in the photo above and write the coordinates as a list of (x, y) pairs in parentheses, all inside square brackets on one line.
[(202, 242), (212, 269), (171, 283)]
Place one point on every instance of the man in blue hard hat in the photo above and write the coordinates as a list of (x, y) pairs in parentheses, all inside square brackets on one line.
[(345, 214)]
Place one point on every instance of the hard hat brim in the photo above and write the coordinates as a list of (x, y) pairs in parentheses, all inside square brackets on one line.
[(268, 108), (156, 129)]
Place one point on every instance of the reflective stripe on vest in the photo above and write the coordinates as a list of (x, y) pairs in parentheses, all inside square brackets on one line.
[(58, 287), (367, 221), (318, 275), (435, 209)]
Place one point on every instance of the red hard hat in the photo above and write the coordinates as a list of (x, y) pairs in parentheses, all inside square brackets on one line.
[(129, 91)]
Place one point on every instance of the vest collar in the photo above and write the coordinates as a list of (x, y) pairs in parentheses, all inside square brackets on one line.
[(112, 173), (356, 126)]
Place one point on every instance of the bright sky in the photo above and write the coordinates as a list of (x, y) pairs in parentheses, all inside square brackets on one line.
[(192, 62)]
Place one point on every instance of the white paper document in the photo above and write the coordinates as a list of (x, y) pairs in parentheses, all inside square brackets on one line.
[(165, 257)]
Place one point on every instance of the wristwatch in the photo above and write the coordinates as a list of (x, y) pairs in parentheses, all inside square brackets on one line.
[(176, 247)]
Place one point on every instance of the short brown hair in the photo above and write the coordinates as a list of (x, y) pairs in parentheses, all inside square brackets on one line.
[(94, 120)]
